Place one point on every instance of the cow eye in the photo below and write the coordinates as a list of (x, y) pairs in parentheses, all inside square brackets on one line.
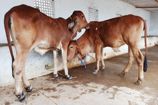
[(71, 46)]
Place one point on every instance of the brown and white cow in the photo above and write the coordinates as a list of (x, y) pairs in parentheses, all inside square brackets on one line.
[(32, 30), (112, 33)]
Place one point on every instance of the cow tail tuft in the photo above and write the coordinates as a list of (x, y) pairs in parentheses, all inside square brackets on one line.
[(145, 65)]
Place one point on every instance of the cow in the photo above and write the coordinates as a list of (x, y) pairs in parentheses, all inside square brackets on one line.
[(32, 30), (113, 33)]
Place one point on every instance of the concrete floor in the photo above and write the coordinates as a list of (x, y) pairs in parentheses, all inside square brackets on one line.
[(105, 88)]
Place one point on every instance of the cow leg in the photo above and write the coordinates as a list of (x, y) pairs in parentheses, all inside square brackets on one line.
[(18, 79), (139, 59), (102, 60), (18, 73), (98, 58), (27, 84), (128, 66), (64, 57), (55, 64)]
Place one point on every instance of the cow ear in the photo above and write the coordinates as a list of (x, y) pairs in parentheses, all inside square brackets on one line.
[(87, 27), (71, 25)]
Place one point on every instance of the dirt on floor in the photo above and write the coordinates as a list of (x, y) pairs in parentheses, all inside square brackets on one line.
[(105, 88)]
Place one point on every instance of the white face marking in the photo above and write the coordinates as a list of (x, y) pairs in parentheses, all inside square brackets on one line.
[(70, 25), (79, 34)]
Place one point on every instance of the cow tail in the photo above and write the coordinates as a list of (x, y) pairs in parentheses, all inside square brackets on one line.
[(145, 40), (7, 26)]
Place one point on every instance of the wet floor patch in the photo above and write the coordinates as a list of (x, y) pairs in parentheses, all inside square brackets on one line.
[(105, 88), (96, 94)]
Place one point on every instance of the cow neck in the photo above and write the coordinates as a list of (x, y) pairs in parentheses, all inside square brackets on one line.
[(79, 49)]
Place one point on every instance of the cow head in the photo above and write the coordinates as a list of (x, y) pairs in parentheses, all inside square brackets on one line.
[(73, 51), (77, 21)]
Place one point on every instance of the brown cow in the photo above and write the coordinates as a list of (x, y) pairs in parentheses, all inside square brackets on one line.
[(112, 33), (32, 30)]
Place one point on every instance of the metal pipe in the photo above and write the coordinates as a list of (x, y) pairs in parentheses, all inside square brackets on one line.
[(5, 44), (146, 6)]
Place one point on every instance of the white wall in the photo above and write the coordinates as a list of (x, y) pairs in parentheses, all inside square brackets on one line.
[(63, 8), (154, 23), (107, 8), (5, 6)]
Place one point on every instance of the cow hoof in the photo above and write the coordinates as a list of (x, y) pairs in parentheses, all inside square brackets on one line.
[(122, 74), (21, 97), (103, 67), (55, 76), (138, 82), (68, 77), (28, 89), (95, 72)]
